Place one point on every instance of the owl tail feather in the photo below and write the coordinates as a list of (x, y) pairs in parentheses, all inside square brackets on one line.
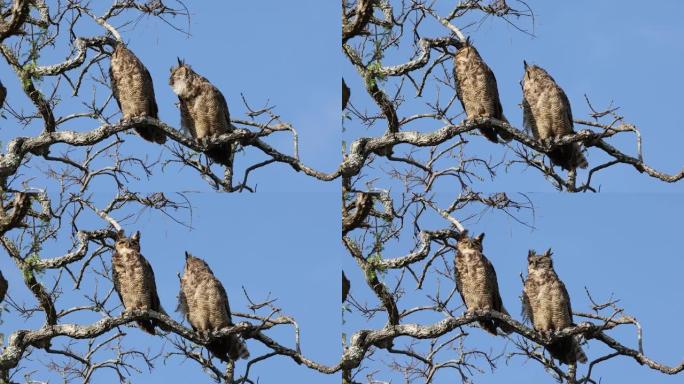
[(503, 135), (230, 347), (147, 326), (491, 325), (151, 134), (496, 135), (568, 157), (222, 154), (567, 350)]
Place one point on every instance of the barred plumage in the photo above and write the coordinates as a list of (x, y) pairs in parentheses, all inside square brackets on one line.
[(546, 304), (547, 113)]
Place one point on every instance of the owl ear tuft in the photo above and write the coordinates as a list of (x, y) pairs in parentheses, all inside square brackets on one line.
[(531, 253), (119, 234), (462, 235), (480, 237), (136, 236), (548, 253), (187, 255)]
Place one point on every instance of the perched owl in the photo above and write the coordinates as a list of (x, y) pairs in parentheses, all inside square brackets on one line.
[(3, 287), (204, 111), (345, 94), (476, 88), (547, 304), (133, 90), (134, 279), (204, 302), (546, 111), (476, 281)]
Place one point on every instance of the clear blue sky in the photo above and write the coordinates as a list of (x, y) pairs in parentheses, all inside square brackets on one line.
[(281, 242)]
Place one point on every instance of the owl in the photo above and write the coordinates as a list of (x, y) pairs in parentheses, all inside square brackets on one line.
[(546, 304), (547, 113), (476, 88), (3, 287), (134, 279), (204, 111), (134, 92), (204, 302), (476, 281)]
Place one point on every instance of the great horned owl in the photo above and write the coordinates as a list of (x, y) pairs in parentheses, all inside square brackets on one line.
[(3, 287), (133, 279), (476, 88), (204, 111), (547, 304), (134, 92), (476, 281), (547, 112), (204, 302)]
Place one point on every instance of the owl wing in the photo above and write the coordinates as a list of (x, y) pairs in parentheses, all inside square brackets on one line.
[(149, 90), (528, 118), (566, 296), (224, 105), (459, 279), (527, 312), (224, 296), (493, 89), (114, 85), (149, 277), (182, 303), (491, 276), (116, 281), (566, 102), (459, 89)]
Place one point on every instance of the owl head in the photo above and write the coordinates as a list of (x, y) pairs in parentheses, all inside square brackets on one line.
[(124, 243), (537, 262), (535, 72), (181, 79), (195, 264), (467, 243)]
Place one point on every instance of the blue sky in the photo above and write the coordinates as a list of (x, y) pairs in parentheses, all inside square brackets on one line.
[(276, 243)]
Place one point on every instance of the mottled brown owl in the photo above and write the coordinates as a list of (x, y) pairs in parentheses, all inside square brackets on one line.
[(3, 287), (204, 111), (547, 112), (134, 92), (547, 304), (476, 281), (476, 88), (204, 302), (133, 279)]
